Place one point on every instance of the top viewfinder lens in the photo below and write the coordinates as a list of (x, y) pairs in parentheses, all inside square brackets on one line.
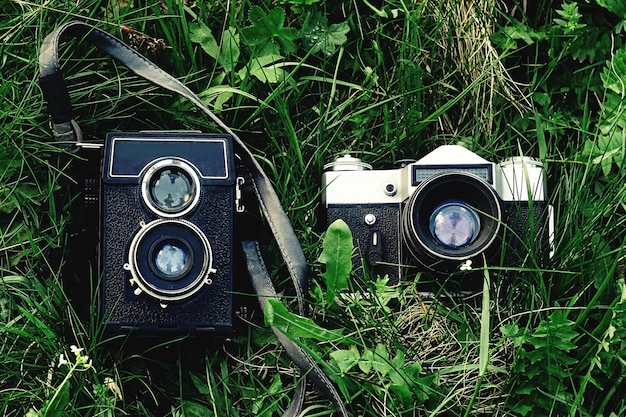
[(171, 187)]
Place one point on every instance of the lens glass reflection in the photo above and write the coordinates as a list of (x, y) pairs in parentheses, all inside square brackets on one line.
[(171, 259), (454, 224), (171, 189)]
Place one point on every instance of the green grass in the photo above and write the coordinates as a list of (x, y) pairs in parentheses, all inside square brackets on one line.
[(394, 80)]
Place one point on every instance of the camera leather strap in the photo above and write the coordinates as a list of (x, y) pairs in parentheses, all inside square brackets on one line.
[(66, 130)]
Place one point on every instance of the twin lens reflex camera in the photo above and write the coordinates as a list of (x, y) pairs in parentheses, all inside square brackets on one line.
[(439, 212), (168, 201)]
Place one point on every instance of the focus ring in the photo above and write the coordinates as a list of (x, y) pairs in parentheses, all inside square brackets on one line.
[(141, 260)]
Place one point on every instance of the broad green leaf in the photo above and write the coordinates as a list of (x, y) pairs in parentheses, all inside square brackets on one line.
[(337, 257), (413, 370), (523, 408), (220, 94), (226, 54), (520, 31), (212, 93), (201, 34), (295, 326), (424, 386), (220, 100), (194, 409), (319, 36), (229, 51), (265, 69), (55, 406), (262, 405), (276, 386), (401, 385), (396, 374), (618, 7), (403, 392), (200, 384), (513, 332), (380, 360), (346, 359), (365, 364), (335, 36)]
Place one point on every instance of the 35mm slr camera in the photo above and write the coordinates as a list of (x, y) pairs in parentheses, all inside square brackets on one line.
[(167, 206), (440, 212)]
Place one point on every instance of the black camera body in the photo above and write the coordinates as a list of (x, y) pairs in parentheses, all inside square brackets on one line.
[(441, 214), (168, 201)]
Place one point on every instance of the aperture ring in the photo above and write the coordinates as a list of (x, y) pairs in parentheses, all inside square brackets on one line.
[(141, 266)]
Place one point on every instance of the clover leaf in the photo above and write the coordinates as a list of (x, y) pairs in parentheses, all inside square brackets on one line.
[(267, 34)]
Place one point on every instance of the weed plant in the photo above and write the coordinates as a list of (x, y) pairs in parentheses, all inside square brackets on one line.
[(304, 81)]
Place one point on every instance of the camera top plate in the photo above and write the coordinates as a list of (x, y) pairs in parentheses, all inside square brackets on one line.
[(127, 154)]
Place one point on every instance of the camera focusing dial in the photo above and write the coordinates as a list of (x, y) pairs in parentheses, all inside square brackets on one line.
[(170, 260)]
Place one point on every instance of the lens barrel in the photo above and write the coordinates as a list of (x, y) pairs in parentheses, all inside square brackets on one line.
[(451, 217), (170, 260)]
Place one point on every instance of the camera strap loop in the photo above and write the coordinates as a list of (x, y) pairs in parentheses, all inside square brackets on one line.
[(59, 106)]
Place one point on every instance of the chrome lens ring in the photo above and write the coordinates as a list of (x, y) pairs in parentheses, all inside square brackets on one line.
[(170, 187), (177, 242)]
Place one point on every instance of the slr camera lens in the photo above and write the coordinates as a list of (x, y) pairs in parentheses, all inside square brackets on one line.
[(451, 217), (454, 224)]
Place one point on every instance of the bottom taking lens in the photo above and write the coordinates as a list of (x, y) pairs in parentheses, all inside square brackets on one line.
[(171, 259), (454, 224)]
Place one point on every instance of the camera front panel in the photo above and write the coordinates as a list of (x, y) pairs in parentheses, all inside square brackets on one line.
[(167, 232), (376, 236)]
